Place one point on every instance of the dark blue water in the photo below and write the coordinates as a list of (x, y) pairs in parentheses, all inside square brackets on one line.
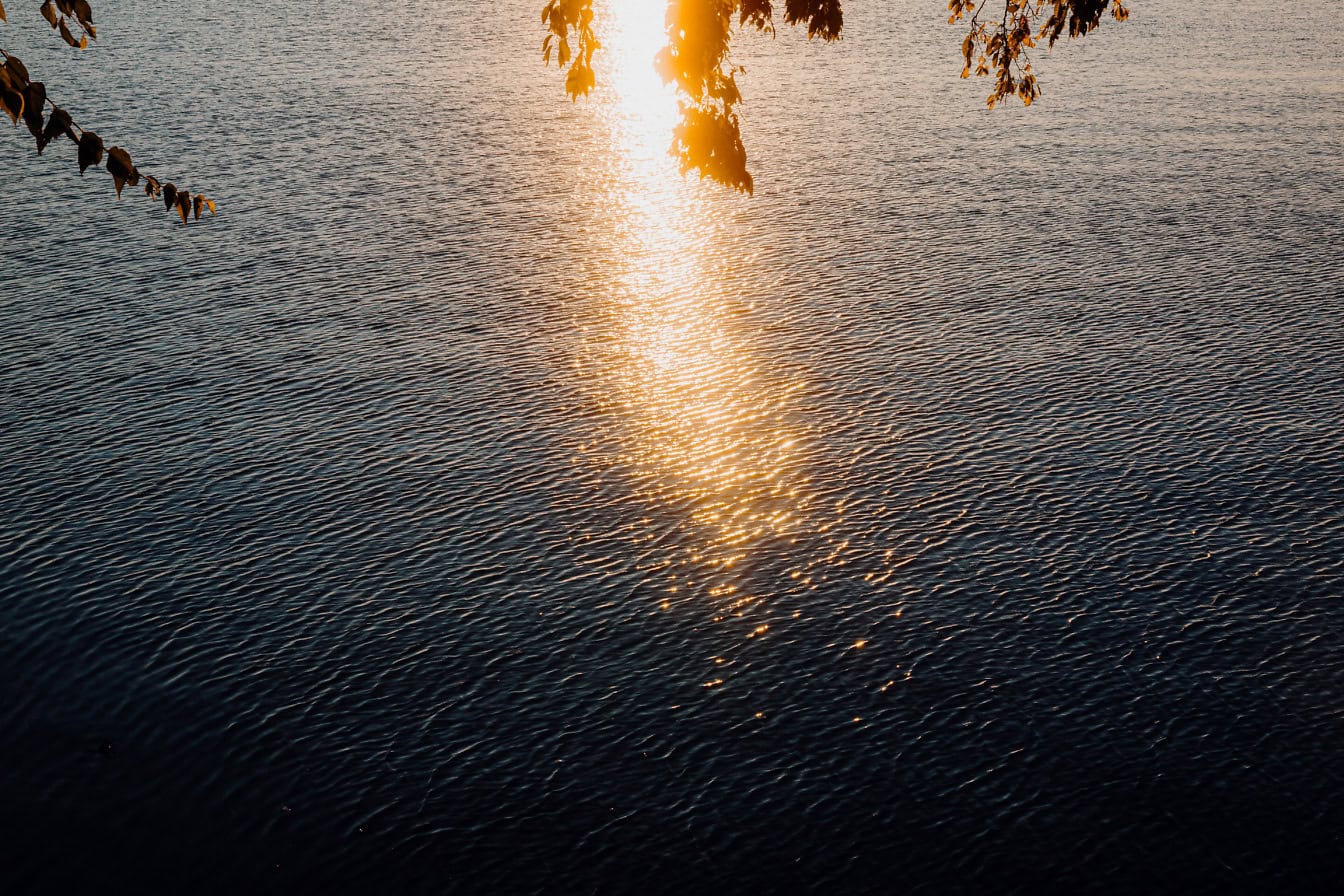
[(477, 506)]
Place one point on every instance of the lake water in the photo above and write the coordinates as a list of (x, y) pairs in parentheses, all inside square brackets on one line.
[(476, 505)]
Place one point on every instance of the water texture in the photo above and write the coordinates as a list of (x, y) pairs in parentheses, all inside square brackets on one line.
[(476, 505)]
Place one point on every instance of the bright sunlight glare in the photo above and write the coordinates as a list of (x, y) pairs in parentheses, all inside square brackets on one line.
[(634, 33)]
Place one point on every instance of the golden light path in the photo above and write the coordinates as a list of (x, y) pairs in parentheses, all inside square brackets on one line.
[(707, 437)]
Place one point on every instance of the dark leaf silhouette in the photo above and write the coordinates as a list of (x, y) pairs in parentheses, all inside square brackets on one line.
[(58, 124), (18, 71), (12, 90), (123, 172), (49, 13), (90, 150), (34, 101), (169, 196), (183, 204), (66, 35)]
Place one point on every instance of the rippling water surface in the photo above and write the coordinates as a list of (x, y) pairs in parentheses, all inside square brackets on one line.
[(477, 505)]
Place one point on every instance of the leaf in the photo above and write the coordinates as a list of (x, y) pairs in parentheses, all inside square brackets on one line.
[(11, 99), (152, 187), (2, 13), (67, 36), (90, 150), (196, 202), (49, 13), (18, 72), (169, 196), (58, 123), (210, 204), (121, 168), (83, 13), (183, 205), (35, 98)]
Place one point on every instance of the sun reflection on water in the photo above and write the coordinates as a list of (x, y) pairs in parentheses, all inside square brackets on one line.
[(705, 417)]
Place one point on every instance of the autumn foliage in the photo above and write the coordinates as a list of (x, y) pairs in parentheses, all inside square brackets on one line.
[(26, 100), (708, 139)]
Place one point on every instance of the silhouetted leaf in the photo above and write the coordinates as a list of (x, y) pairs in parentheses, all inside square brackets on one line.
[(58, 123), (196, 202), (49, 13), (169, 196), (18, 72), (11, 94), (152, 187), (2, 13), (34, 99), (90, 150), (66, 35), (121, 168), (183, 204)]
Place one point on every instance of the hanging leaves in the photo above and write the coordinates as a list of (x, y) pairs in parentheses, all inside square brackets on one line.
[(561, 17), (21, 97), (999, 46), (708, 138), (58, 12)]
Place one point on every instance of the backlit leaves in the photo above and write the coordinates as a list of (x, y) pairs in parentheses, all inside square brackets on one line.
[(563, 18), (708, 138), (59, 13), (999, 46)]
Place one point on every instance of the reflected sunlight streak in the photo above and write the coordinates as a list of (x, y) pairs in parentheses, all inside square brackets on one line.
[(709, 441)]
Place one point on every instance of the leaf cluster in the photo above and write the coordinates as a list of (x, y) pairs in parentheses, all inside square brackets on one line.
[(26, 100), (998, 46), (59, 13), (561, 17), (708, 138)]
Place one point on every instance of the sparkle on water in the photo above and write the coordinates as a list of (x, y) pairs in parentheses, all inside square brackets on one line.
[(709, 432)]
